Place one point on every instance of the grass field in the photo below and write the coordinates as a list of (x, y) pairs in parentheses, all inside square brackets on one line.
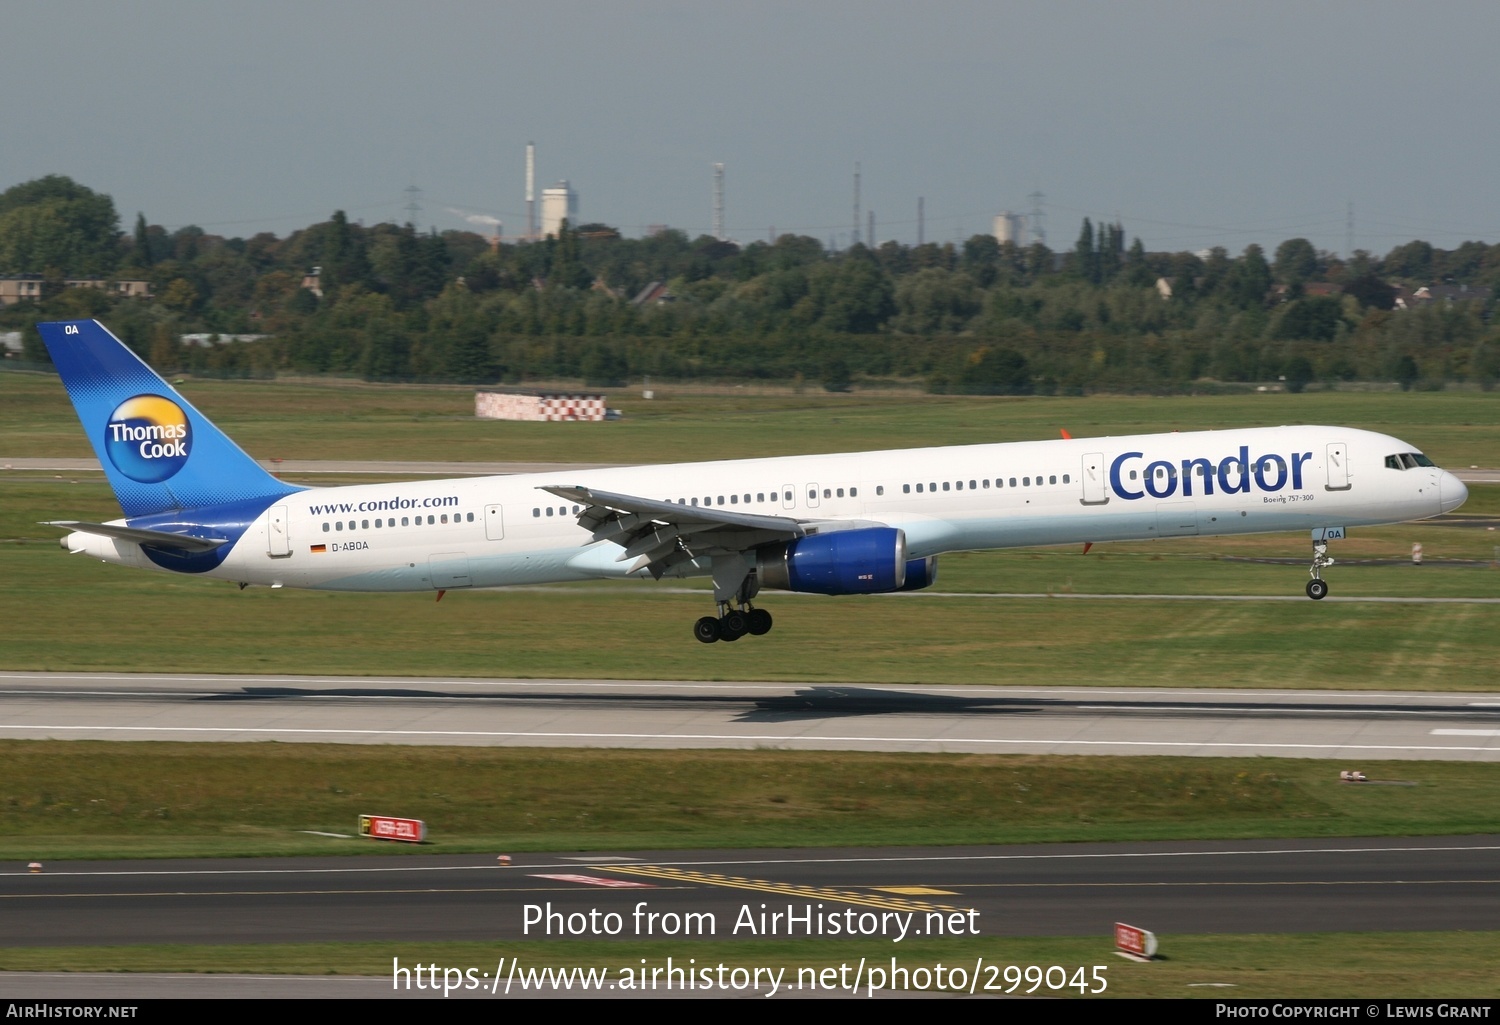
[(1362, 966), (76, 799), (349, 420), (96, 799)]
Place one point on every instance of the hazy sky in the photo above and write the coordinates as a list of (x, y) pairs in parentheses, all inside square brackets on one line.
[(1197, 123)]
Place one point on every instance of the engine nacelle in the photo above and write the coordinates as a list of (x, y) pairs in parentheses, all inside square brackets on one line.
[(866, 561), (920, 573)]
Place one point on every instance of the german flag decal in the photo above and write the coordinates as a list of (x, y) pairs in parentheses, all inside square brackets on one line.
[(319, 549)]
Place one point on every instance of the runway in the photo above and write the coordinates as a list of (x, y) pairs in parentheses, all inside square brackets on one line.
[(1345, 725), (900, 895)]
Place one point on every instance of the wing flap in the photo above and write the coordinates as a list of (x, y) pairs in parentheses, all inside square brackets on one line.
[(671, 512)]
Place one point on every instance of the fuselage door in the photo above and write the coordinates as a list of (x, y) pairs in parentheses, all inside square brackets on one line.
[(1338, 467), (812, 496), (278, 541), (494, 523), (1093, 479), (789, 496)]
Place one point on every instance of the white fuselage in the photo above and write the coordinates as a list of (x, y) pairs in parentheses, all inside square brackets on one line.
[(496, 531)]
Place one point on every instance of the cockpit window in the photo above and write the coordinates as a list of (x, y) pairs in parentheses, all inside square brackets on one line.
[(1408, 460), (1421, 459), (1393, 463)]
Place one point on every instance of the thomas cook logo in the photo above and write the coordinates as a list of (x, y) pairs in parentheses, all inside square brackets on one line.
[(148, 438)]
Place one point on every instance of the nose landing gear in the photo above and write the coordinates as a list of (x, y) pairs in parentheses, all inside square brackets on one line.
[(1317, 587)]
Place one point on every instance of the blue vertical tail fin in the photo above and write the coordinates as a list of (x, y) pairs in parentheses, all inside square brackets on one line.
[(158, 452)]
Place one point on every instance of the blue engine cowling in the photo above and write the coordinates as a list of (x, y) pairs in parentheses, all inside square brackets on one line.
[(920, 573), (866, 561)]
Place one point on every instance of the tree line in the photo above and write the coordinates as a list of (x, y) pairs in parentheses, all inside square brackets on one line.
[(389, 302)]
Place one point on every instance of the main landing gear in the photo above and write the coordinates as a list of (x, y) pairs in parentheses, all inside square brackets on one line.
[(735, 583), (1317, 587), (733, 624)]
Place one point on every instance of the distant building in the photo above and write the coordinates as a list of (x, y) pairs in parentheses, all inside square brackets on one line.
[(1009, 227), (1410, 299), (208, 338), (525, 404), (656, 293), (17, 288), (559, 203), (313, 281)]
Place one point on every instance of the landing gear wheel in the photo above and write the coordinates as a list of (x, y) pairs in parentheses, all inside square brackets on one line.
[(1317, 589), (760, 622), (733, 625), (706, 629)]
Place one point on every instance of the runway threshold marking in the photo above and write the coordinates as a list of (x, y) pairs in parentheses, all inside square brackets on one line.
[(567, 877), (787, 889), (351, 892)]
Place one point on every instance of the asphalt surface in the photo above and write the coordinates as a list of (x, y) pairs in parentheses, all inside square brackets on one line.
[(1342, 725), (1433, 883)]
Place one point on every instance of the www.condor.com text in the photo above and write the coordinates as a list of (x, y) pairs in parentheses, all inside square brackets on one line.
[(865, 977)]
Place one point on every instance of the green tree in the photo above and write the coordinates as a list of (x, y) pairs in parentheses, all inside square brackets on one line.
[(1298, 373), (1372, 292), (1296, 263), (1316, 318), (995, 371), (55, 222), (935, 301), (1405, 372), (1249, 280), (981, 259), (836, 375), (140, 250), (1085, 258)]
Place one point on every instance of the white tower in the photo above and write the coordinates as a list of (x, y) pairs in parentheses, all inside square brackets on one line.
[(559, 203), (531, 192)]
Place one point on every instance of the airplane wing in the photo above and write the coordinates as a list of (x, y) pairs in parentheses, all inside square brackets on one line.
[(155, 538), (659, 535)]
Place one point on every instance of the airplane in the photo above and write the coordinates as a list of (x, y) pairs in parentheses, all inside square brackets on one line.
[(842, 524)]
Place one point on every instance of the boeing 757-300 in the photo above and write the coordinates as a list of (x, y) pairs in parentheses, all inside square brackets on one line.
[(850, 523)]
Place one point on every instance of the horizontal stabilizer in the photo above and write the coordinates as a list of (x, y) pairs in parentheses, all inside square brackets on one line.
[(156, 538)]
